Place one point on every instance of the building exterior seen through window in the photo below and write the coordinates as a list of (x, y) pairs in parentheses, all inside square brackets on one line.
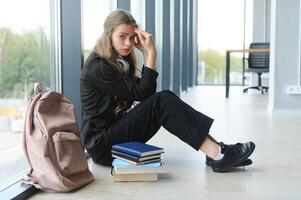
[(24, 59)]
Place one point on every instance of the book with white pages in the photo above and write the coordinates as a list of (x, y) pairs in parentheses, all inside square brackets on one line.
[(135, 177), (123, 167), (136, 162)]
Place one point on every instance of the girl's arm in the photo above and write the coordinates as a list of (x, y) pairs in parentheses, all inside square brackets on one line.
[(145, 43)]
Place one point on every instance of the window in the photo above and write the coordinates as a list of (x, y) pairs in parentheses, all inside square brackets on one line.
[(25, 58), (138, 12), (94, 14), (221, 26)]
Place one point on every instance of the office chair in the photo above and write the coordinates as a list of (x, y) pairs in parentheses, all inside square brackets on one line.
[(258, 62)]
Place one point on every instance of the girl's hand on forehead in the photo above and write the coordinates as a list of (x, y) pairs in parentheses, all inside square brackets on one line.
[(137, 42), (144, 41)]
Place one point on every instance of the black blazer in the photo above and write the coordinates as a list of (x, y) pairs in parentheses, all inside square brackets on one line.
[(100, 84)]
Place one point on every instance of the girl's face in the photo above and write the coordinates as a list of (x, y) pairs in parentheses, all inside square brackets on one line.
[(123, 39)]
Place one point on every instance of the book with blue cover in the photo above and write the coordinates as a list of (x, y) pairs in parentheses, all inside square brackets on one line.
[(121, 163), (135, 158), (135, 162), (138, 149)]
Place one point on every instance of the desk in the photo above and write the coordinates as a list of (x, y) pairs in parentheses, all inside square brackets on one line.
[(228, 52)]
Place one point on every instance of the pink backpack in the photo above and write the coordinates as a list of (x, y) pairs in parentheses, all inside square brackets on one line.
[(52, 145)]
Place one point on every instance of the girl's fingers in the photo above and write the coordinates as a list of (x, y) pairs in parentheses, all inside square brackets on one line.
[(137, 40), (145, 39), (145, 34), (141, 37)]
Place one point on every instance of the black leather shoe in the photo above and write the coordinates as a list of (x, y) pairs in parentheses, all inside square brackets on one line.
[(244, 163), (233, 155)]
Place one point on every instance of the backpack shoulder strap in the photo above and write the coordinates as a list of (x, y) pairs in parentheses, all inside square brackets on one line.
[(28, 122)]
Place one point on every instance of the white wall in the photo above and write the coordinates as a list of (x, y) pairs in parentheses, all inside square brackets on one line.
[(285, 56), (259, 21)]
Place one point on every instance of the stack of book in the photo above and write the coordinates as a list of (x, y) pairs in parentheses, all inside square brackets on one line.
[(136, 161)]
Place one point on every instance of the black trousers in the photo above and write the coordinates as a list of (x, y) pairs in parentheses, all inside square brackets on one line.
[(144, 120)]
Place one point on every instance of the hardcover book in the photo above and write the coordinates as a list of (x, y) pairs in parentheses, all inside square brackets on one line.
[(135, 177), (138, 149), (123, 167), (136, 162), (135, 158)]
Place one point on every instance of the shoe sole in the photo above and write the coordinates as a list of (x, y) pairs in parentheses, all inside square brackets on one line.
[(225, 169), (244, 163)]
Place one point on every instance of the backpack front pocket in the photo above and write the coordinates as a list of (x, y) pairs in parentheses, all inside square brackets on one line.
[(69, 153)]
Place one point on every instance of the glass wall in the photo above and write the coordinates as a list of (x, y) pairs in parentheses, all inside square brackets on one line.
[(221, 26), (94, 14), (25, 58), (138, 12)]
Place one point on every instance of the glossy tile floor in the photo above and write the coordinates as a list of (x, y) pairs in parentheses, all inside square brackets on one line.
[(276, 169)]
